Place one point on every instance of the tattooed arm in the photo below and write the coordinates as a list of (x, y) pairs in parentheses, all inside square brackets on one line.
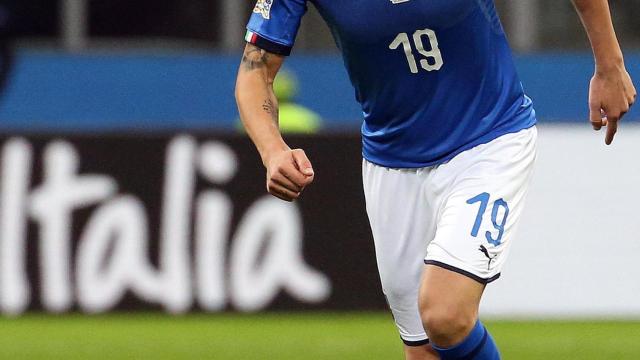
[(257, 103), (288, 171)]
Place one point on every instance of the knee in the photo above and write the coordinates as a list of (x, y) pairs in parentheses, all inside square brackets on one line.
[(446, 325)]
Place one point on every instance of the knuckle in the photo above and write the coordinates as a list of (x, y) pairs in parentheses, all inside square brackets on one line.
[(300, 153)]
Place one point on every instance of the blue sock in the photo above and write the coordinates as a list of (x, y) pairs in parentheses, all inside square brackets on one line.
[(477, 346)]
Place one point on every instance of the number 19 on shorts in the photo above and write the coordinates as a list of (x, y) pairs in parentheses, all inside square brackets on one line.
[(499, 214), (432, 58)]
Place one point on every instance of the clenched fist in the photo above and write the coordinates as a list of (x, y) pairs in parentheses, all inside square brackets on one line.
[(288, 173)]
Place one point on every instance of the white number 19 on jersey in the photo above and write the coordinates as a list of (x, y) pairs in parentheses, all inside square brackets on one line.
[(434, 54)]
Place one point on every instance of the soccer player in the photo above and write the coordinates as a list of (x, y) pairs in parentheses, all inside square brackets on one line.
[(449, 142)]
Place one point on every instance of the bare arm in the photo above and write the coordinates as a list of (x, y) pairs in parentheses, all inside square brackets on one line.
[(288, 171), (611, 91)]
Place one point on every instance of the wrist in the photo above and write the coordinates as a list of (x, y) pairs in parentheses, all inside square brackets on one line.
[(267, 153), (608, 64)]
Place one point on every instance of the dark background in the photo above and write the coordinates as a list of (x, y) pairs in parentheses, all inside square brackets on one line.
[(201, 20), (337, 239)]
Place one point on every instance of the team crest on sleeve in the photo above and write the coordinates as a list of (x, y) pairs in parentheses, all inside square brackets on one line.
[(263, 7)]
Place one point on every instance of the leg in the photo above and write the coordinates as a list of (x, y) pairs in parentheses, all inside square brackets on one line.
[(449, 305), (401, 224), (480, 195)]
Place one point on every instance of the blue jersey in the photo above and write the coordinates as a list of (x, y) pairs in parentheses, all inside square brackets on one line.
[(434, 77)]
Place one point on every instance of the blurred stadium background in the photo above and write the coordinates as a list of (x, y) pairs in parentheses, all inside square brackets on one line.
[(134, 225)]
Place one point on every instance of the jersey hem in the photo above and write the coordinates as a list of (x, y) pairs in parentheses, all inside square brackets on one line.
[(266, 44), (463, 272), (416, 165)]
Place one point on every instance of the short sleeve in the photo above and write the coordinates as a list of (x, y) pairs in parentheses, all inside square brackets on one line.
[(274, 24)]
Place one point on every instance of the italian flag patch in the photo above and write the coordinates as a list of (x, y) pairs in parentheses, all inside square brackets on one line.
[(251, 37)]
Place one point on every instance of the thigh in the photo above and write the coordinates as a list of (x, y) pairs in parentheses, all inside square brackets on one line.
[(399, 218), (480, 205), (449, 304)]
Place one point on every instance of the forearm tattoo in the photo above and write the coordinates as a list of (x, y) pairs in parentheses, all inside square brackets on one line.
[(272, 109), (254, 58)]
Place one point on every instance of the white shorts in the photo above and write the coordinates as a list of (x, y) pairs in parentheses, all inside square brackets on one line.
[(461, 216)]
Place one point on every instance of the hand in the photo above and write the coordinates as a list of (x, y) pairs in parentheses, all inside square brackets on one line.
[(611, 95), (288, 172)]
